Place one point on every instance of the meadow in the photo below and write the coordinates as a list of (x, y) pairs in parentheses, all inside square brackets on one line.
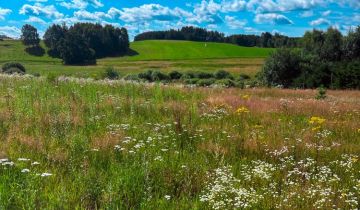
[(160, 55), (85, 144)]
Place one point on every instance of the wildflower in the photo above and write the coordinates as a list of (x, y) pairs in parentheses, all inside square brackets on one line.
[(167, 197), (246, 97), (317, 120), (35, 163), (242, 109), (25, 170), (45, 174), (23, 159)]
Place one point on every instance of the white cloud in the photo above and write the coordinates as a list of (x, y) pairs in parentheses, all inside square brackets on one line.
[(326, 13), (10, 31), (320, 22), (81, 4), (272, 18), (148, 12), (265, 6), (4, 12), (40, 10), (234, 23), (308, 13), (85, 15), (33, 19)]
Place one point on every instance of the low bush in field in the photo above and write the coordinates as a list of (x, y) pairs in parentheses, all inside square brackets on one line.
[(174, 75), (111, 73), (13, 67), (205, 82)]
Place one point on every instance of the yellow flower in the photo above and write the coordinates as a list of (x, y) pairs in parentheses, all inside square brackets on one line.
[(242, 110), (354, 159), (316, 128), (246, 97), (316, 120)]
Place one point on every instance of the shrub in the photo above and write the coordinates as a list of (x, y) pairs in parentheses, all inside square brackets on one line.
[(133, 77), (13, 70), (188, 75), (205, 82), (221, 74), (203, 75), (10, 65), (226, 82), (159, 76), (146, 75), (321, 93), (175, 75), (191, 81), (244, 76), (111, 73)]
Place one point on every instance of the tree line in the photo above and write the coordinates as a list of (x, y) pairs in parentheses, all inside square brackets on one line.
[(191, 33), (326, 58), (81, 43)]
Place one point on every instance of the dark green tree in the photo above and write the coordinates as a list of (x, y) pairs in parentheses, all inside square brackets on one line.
[(30, 36), (52, 39)]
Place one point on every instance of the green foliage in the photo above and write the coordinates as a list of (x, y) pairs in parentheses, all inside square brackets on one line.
[(205, 82), (225, 83), (75, 50), (111, 73), (13, 67), (29, 35), (203, 75), (175, 75), (321, 94), (221, 74), (243, 76), (351, 46), (100, 41), (191, 81), (282, 67)]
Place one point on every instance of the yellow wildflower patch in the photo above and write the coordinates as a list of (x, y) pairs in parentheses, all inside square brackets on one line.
[(317, 120), (242, 109)]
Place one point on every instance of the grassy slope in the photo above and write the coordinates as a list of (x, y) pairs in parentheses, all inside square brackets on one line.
[(163, 55)]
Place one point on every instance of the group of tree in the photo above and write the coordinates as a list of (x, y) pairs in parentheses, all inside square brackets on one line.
[(326, 58), (190, 33), (82, 43), (266, 40)]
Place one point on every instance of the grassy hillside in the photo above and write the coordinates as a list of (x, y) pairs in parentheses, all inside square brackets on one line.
[(164, 55)]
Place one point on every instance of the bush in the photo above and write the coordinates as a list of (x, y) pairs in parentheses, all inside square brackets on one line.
[(159, 76), (111, 73), (191, 81), (10, 65), (244, 77), (205, 82), (188, 75), (146, 75), (13, 70), (321, 93), (203, 75), (226, 82), (221, 74), (175, 75), (133, 77)]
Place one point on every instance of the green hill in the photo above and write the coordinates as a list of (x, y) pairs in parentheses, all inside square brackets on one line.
[(161, 54)]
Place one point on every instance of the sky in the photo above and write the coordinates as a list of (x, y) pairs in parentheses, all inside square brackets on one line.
[(288, 17)]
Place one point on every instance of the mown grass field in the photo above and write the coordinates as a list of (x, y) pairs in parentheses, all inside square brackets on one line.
[(84, 144), (161, 55)]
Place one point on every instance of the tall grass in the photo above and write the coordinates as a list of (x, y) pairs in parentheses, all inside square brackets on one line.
[(83, 144)]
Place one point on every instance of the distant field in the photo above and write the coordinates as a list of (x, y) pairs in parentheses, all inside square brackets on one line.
[(162, 55)]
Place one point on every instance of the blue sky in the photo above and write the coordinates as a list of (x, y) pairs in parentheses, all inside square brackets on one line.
[(289, 17)]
